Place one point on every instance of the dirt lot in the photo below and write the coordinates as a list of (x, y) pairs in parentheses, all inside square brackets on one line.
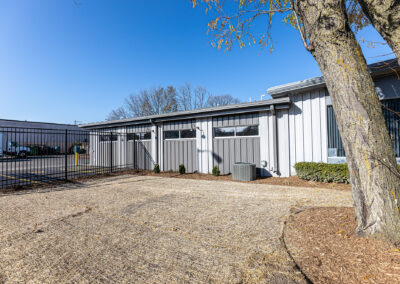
[(151, 229)]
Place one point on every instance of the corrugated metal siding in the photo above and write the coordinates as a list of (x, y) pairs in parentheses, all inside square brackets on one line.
[(138, 128), (265, 142), (236, 120), (204, 142), (178, 152), (144, 158), (227, 151), (179, 125), (283, 142), (307, 130)]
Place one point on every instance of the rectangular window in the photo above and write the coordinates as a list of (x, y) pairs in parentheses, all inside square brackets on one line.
[(171, 134), (335, 145), (108, 137), (389, 108), (132, 136), (251, 130), (224, 131), (139, 136), (189, 133), (145, 135)]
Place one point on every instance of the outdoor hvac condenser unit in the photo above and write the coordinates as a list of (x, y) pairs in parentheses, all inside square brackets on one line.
[(244, 171)]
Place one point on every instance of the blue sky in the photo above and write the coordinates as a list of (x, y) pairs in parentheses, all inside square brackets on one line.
[(60, 62)]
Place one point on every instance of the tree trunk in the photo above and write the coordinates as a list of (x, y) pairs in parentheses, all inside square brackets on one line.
[(374, 175), (385, 17)]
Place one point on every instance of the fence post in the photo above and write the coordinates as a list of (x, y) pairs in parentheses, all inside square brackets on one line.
[(66, 155), (111, 153), (134, 151)]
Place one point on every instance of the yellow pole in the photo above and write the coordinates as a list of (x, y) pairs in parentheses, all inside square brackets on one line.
[(76, 159)]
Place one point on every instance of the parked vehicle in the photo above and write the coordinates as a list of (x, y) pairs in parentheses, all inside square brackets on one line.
[(37, 150), (14, 149)]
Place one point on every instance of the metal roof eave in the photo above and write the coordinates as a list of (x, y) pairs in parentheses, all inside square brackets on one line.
[(280, 103), (378, 69)]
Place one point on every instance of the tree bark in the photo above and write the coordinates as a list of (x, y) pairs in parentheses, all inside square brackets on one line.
[(385, 17), (374, 175)]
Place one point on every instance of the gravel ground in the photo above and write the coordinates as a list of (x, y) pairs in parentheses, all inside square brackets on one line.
[(152, 230)]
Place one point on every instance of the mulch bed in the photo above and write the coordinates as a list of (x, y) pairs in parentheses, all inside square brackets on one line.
[(323, 244), (283, 181)]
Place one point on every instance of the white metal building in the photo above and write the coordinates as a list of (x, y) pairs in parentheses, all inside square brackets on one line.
[(296, 125)]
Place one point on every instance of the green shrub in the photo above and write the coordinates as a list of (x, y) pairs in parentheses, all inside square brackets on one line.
[(215, 171), (181, 169), (156, 169), (322, 172)]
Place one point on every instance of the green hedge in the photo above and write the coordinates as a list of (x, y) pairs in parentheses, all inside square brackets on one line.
[(323, 172)]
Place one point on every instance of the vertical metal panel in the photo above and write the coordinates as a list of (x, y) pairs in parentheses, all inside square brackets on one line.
[(283, 143), (264, 142), (236, 120), (299, 129), (292, 135), (228, 151), (178, 152), (316, 126), (307, 127), (144, 156), (179, 125)]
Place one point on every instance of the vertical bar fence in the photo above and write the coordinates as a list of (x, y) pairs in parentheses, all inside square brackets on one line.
[(34, 156)]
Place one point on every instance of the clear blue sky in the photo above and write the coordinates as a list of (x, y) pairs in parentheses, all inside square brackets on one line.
[(60, 62)]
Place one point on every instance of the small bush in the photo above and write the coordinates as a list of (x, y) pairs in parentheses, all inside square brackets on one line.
[(215, 171), (156, 169), (322, 172), (181, 169)]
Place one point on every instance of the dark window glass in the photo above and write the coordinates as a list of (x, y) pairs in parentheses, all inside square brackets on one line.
[(190, 133), (145, 136), (389, 108), (251, 130), (132, 136), (171, 134), (108, 137), (224, 131), (335, 144)]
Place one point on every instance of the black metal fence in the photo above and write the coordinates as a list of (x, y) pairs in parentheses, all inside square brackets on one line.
[(36, 156)]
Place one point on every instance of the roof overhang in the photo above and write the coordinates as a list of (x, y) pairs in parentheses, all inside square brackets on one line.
[(264, 105), (377, 70)]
